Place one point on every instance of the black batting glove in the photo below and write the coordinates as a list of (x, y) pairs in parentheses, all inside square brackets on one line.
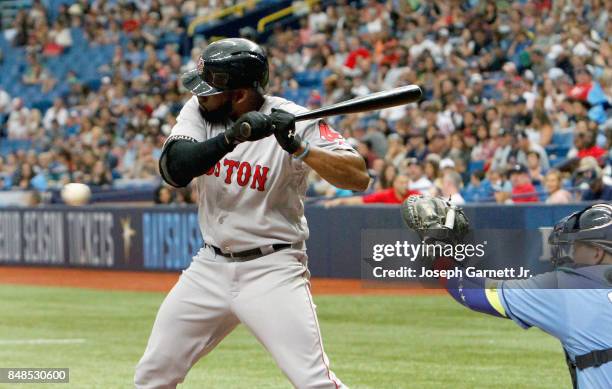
[(261, 127), (283, 124)]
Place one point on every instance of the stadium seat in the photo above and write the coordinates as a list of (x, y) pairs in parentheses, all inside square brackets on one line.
[(42, 105), (12, 145), (291, 94), (310, 78), (560, 145), (475, 165), (565, 139), (107, 51), (303, 95), (93, 83)]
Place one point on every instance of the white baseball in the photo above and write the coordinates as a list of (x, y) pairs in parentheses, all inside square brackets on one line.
[(76, 194)]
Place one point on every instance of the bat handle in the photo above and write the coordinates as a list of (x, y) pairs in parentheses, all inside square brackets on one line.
[(245, 130)]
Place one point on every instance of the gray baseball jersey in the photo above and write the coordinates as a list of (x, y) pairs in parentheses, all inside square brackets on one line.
[(252, 198)]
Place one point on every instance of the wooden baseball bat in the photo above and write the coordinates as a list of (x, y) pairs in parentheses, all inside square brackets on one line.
[(379, 100)]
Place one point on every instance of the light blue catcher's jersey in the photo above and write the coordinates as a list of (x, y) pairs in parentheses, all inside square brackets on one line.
[(573, 305)]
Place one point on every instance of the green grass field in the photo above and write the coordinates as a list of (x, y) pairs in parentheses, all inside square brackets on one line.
[(372, 341)]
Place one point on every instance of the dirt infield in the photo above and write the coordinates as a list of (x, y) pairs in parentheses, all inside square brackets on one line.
[(163, 282)]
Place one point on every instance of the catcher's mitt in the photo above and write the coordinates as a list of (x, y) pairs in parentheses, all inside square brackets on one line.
[(435, 219)]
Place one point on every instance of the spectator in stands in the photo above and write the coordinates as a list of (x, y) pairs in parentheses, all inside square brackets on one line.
[(394, 195), (589, 178), (585, 141), (376, 137), (438, 144), (479, 189), (396, 149), (525, 145), (60, 168), (60, 35), (485, 145), (523, 190), (385, 180), (377, 170), (182, 196), (364, 148), (36, 74), (317, 19), (57, 112), (416, 145), (540, 130), (451, 187), (42, 171), (556, 193), (20, 29), (17, 124), (534, 168), (5, 104), (447, 164), (502, 153), (23, 177), (418, 179), (431, 167), (459, 148), (9, 170), (100, 175), (163, 195), (145, 167)]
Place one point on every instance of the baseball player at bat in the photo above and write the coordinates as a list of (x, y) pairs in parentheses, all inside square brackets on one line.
[(572, 303), (251, 184)]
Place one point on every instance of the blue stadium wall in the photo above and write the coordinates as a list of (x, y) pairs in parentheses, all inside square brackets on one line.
[(165, 238)]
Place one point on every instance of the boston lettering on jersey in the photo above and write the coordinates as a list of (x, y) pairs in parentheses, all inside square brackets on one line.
[(245, 174), (328, 133)]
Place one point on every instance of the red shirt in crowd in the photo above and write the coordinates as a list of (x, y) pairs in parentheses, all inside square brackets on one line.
[(387, 196), (543, 5), (130, 25), (351, 59), (580, 91), (524, 190), (594, 151)]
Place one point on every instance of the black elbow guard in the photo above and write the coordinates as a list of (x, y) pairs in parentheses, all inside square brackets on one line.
[(168, 171), (182, 160)]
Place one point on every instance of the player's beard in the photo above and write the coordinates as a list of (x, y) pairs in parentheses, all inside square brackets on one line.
[(220, 115)]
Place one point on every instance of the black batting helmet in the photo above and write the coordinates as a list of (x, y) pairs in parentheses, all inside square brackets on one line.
[(593, 226), (228, 64)]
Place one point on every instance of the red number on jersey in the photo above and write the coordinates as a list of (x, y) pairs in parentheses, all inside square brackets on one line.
[(328, 133)]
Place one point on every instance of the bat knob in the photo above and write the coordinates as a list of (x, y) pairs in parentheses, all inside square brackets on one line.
[(245, 130)]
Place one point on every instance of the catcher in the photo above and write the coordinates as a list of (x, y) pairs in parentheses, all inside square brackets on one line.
[(573, 303)]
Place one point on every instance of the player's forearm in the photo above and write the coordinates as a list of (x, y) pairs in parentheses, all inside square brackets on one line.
[(476, 293), (344, 170), (183, 160)]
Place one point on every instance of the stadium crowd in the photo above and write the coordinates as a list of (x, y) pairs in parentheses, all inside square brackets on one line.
[(516, 99)]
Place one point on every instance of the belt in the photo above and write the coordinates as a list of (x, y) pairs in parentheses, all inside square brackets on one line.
[(594, 359), (259, 251)]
